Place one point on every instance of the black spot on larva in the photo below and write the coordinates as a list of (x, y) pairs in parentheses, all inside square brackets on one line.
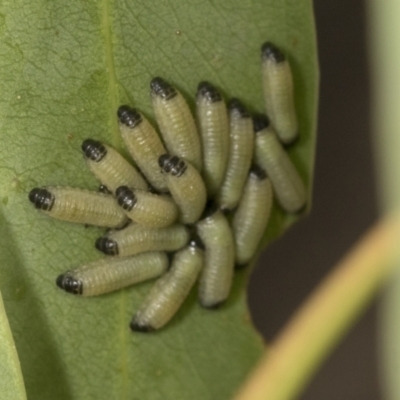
[(271, 52), (94, 150), (107, 246), (42, 199), (104, 189), (260, 122), (210, 209), (258, 172), (239, 267), (209, 92), (214, 306), (161, 88), (129, 116), (196, 242), (136, 327), (69, 284), (235, 105), (172, 165), (126, 198)]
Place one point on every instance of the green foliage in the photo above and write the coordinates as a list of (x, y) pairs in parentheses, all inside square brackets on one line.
[(65, 67)]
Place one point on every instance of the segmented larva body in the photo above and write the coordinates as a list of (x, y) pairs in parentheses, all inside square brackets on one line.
[(240, 155), (252, 215), (170, 291), (79, 206), (176, 122), (186, 187), (270, 155), (278, 92), (137, 239), (214, 134), (217, 274), (144, 145), (110, 168), (149, 209), (109, 274)]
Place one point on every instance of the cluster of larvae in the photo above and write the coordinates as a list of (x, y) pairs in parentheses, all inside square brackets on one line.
[(197, 201)]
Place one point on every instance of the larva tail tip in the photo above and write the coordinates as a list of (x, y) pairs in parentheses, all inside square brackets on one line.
[(213, 306), (271, 52)]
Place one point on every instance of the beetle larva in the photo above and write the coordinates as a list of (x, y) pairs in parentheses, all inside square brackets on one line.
[(78, 205), (109, 167), (143, 144), (214, 134), (170, 291), (252, 215), (216, 277), (270, 155), (278, 92), (240, 155), (149, 209), (186, 186), (109, 274), (138, 238), (176, 122)]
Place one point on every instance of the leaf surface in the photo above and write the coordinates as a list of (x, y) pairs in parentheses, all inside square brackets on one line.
[(65, 67)]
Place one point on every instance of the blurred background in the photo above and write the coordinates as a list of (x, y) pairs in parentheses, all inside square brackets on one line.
[(344, 206)]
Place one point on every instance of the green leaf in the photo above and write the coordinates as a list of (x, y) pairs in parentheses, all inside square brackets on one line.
[(11, 382), (65, 67)]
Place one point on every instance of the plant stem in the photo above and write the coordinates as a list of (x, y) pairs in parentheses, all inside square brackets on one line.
[(326, 316)]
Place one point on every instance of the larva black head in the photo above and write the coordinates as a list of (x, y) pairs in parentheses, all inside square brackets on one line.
[(107, 246), (161, 88), (93, 150), (129, 116), (42, 199), (104, 189), (210, 209), (195, 241), (258, 172), (235, 105), (69, 284), (208, 92), (260, 122), (172, 164), (126, 198), (271, 52), (137, 327)]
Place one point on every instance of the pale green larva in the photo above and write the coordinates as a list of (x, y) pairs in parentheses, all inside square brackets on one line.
[(240, 155), (288, 186), (170, 291), (213, 121), (149, 209), (176, 122), (79, 206), (251, 217), (109, 274), (136, 239), (217, 274), (110, 168), (143, 143), (186, 186), (278, 92)]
